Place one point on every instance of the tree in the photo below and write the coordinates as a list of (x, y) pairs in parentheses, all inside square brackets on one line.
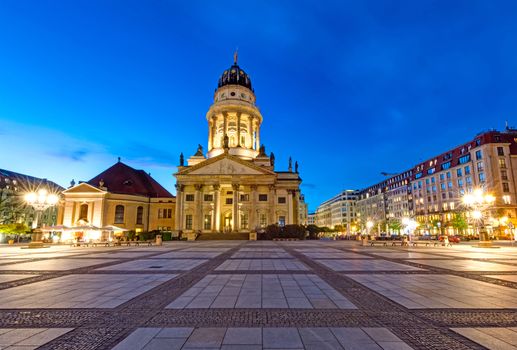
[(395, 225), (14, 229), (339, 228), (459, 223)]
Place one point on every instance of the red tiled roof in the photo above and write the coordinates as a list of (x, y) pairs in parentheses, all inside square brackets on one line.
[(121, 178)]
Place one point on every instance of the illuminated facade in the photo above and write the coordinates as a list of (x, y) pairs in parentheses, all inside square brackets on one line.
[(120, 196), (431, 192), (234, 187)]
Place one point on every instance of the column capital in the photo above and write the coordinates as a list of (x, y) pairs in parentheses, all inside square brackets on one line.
[(236, 187), (253, 187), (198, 187), (272, 187), (179, 188), (216, 187)]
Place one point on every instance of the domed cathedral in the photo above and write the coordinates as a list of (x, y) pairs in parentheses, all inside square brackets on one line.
[(234, 187)]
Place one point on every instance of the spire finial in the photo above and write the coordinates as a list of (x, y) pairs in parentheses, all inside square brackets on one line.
[(235, 56), (119, 159)]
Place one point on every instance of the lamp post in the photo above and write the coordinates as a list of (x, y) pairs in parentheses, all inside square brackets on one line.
[(40, 201), (478, 202)]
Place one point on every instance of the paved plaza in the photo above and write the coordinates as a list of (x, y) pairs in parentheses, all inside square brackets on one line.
[(258, 295)]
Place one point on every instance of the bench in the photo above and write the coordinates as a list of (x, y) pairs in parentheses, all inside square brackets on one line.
[(104, 243), (373, 243), (148, 242)]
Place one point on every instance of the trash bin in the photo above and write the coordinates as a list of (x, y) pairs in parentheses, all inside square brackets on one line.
[(158, 239), (11, 241), (365, 241)]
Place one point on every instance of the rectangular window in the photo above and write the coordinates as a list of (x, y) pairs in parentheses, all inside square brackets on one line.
[(263, 220), (467, 170), (443, 187), (245, 197), (464, 159), (468, 180), (229, 201), (504, 175), (507, 199), (281, 221), (281, 200), (506, 187), (208, 197), (449, 184), (169, 213), (432, 180), (446, 165), (262, 197), (189, 197), (460, 182), (160, 213), (502, 163), (431, 171), (442, 177), (479, 166), (448, 174), (481, 177), (479, 155), (188, 221), (244, 221), (500, 151), (207, 222), (418, 175), (458, 172)]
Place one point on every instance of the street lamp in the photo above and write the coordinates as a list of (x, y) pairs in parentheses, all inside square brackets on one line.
[(369, 225), (478, 202), (40, 201)]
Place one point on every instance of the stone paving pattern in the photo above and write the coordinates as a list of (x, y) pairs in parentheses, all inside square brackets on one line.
[(258, 295)]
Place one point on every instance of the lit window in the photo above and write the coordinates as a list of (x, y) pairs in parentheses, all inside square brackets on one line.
[(139, 215), (119, 214), (507, 199), (188, 221), (207, 224)]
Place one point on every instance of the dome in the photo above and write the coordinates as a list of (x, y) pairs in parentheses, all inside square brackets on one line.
[(235, 75)]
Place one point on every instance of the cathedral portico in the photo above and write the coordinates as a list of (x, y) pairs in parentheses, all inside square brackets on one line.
[(235, 187)]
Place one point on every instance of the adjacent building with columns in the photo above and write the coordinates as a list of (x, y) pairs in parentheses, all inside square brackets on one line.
[(234, 187)]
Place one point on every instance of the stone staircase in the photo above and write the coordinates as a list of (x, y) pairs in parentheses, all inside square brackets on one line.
[(242, 236)]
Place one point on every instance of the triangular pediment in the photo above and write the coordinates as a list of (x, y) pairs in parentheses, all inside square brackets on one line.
[(83, 188), (225, 164)]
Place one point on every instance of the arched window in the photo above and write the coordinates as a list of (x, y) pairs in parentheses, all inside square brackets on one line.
[(119, 214), (139, 215), (83, 212)]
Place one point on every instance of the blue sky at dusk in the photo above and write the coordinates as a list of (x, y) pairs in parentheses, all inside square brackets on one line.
[(349, 89)]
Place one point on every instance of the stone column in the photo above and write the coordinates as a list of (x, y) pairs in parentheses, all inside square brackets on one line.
[(272, 191), (253, 223), (179, 210), (239, 129), (289, 207), (296, 207), (235, 211), (258, 133), (253, 135), (198, 216), (210, 136), (250, 130), (217, 208), (225, 127)]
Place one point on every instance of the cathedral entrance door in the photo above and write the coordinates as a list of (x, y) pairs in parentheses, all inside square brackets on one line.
[(228, 223)]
